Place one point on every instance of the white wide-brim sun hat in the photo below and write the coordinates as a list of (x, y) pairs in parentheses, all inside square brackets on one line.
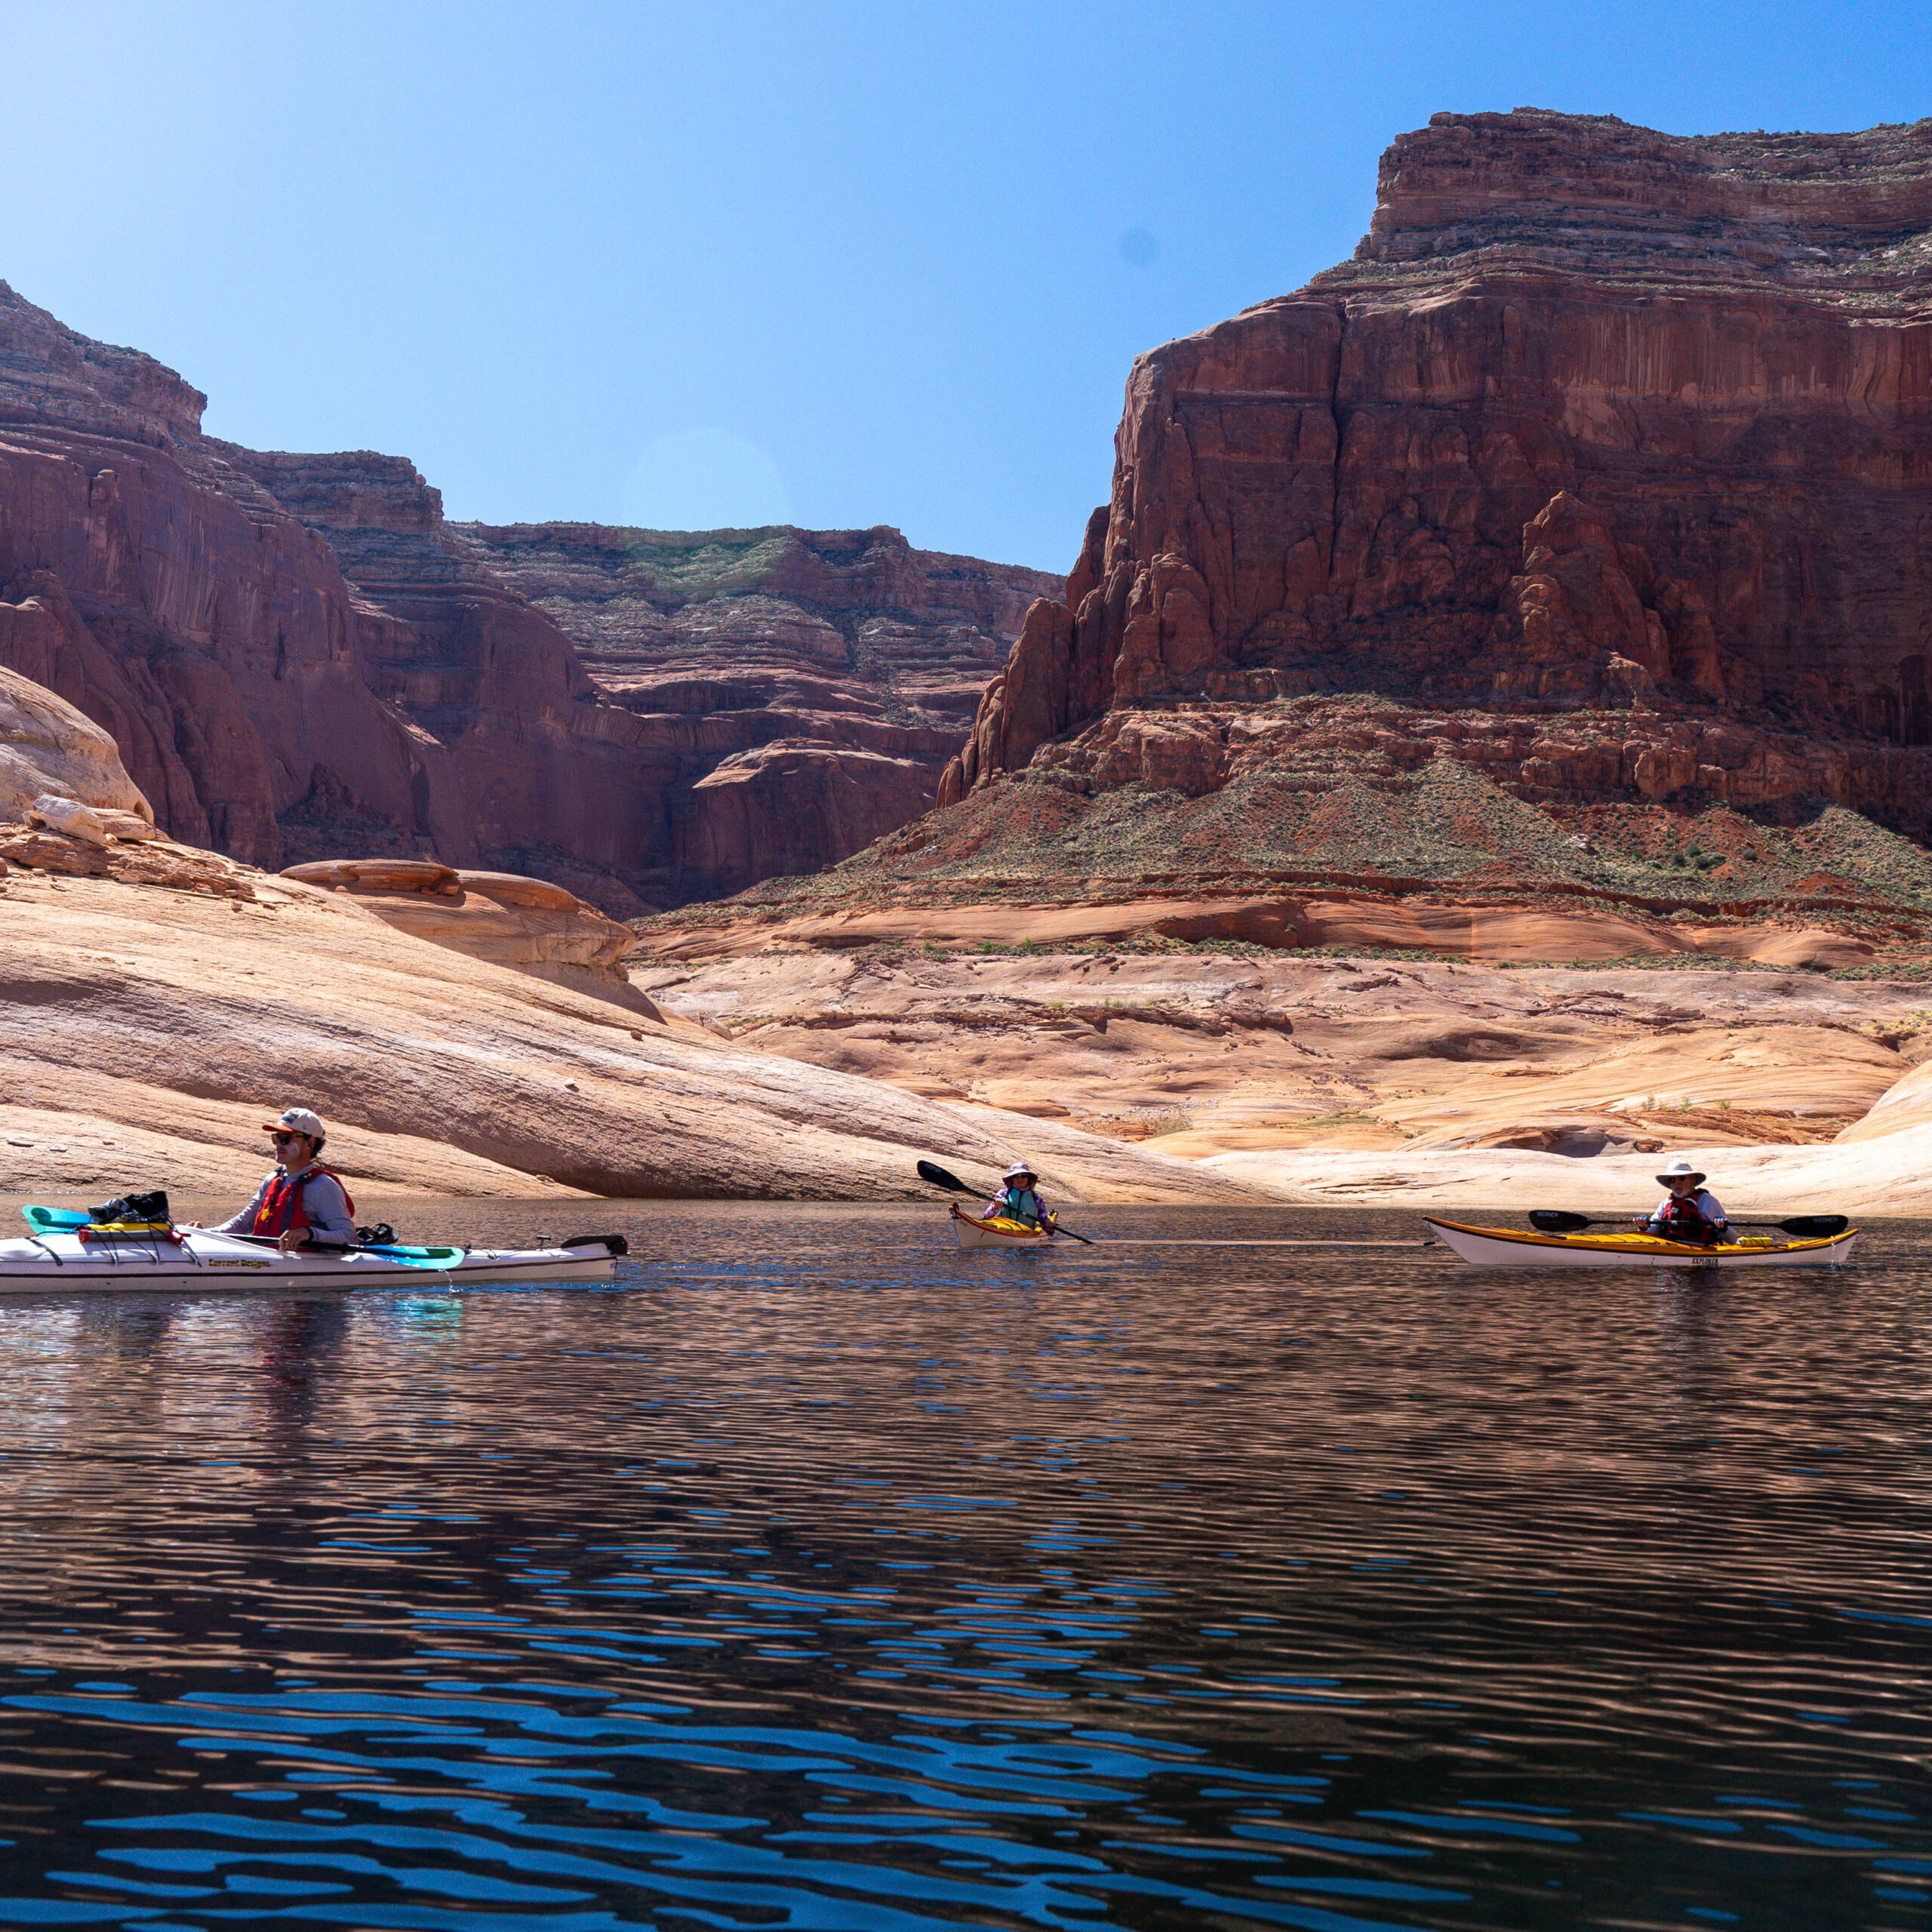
[(1680, 1171)]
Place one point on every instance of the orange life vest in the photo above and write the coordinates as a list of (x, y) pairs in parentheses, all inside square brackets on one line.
[(282, 1206)]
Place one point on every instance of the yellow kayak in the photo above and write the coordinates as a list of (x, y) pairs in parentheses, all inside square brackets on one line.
[(998, 1232), (1512, 1247)]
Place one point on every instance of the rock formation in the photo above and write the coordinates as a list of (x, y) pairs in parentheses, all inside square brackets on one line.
[(1355, 821), (46, 745), (1621, 431), (158, 997), (145, 1028), (1397, 1083), (1216, 1053), (297, 658), (529, 923), (796, 694)]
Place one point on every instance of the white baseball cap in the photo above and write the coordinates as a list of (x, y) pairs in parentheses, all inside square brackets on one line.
[(295, 1120)]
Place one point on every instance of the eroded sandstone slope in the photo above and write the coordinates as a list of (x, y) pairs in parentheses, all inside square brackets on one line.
[(1396, 1082), (159, 998), (147, 1028), (461, 1033)]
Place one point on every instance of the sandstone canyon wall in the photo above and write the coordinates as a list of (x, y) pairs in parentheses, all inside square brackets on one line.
[(298, 658), (798, 692), (1624, 433)]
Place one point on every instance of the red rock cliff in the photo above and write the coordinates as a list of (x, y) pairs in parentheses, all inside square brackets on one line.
[(1597, 416), (298, 658), (796, 693)]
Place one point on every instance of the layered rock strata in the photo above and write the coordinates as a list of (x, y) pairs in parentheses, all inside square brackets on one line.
[(797, 693), (1354, 821), (1598, 419), (298, 658), (145, 1030)]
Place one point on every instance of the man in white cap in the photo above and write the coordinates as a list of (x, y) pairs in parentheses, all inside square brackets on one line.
[(301, 1202), (1686, 1213), (1018, 1199)]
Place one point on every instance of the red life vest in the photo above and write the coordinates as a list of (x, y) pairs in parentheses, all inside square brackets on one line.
[(282, 1206), (1680, 1219)]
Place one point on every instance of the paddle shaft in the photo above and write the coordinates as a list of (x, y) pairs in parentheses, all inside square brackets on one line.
[(396, 1250), (1805, 1226)]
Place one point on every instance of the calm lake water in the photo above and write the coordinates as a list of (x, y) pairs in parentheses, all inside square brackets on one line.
[(814, 1574)]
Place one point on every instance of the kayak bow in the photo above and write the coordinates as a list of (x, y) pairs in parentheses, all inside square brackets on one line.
[(998, 1232)]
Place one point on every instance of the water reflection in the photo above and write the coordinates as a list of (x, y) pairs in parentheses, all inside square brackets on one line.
[(815, 1574)]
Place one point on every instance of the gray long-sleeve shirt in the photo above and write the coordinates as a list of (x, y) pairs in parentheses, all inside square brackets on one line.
[(323, 1201)]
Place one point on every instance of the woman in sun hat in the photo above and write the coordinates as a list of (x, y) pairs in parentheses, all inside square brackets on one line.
[(1018, 1199), (1687, 1212)]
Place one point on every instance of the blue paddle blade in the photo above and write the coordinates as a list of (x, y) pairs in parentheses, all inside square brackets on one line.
[(439, 1260), (55, 1220)]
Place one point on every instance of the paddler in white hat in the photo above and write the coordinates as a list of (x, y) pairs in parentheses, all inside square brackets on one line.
[(1688, 1212), (1018, 1198)]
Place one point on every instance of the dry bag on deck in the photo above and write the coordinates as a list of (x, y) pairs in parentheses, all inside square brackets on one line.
[(149, 1207)]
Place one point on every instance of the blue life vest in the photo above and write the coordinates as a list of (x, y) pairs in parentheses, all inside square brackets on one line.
[(1021, 1204)]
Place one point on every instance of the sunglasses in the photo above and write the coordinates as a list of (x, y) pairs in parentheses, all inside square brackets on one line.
[(287, 1139)]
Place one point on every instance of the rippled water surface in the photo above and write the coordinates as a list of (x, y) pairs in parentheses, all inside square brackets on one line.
[(815, 1574)]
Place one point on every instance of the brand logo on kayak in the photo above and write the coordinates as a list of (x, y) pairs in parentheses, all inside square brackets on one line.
[(237, 1264)]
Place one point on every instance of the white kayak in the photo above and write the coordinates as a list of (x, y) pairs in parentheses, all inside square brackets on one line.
[(998, 1233), (1511, 1247), (52, 1259)]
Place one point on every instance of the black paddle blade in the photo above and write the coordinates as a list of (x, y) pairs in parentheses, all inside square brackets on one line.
[(939, 1177), (1555, 1221), (1817, 1225)]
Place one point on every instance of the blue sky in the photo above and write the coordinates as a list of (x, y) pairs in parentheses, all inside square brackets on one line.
[(842, 264)]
